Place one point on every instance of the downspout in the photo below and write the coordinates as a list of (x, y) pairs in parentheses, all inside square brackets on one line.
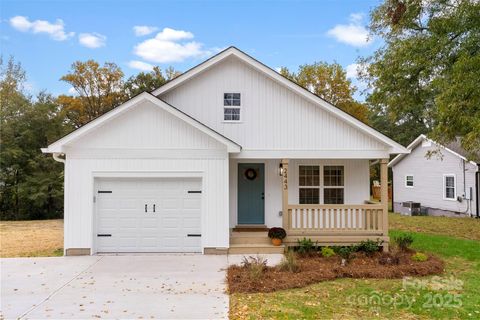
[(57, 158)]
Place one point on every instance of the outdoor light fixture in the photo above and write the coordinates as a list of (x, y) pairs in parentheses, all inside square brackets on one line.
[(280, 170)]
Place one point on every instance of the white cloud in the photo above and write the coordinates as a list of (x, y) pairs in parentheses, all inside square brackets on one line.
[(278, 69), (143, 30), (56, 30), (354, 33), (92, 40), (167, 46), (352, 70), (72, 91), (140, 65)]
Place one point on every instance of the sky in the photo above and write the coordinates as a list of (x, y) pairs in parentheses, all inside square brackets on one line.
[(46, 36)]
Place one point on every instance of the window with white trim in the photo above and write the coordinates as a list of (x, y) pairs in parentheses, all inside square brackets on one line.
[(231, 106), (449, 187), (334, 189), (409, 181), (309, 184)]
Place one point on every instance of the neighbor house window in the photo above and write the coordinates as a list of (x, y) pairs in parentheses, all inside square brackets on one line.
[(231, 106), (309, 184), (409, 181), (333, 181), (449, 190)]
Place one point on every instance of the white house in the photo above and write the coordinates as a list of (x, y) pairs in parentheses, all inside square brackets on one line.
[(229, 144), (439, 179)]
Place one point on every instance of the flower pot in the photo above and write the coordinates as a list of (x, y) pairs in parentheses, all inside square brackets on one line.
[(276, 242)]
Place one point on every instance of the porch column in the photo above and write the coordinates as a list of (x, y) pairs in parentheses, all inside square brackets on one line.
[(384, 193), (284, 164)]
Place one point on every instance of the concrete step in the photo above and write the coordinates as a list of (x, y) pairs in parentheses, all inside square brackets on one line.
[(256, 248), (250, 240)]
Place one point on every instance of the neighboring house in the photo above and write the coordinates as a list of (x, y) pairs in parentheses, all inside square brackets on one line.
[(230, 144), (438, 179)]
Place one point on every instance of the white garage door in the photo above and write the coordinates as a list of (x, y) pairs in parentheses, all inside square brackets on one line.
[(148, 215)]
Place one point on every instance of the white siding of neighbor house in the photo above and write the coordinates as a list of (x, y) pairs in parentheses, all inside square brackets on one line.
[(272, 116), (357, 179), (428, 179), (147, 142)]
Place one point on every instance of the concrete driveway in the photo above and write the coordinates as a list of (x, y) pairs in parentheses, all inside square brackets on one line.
[(127, 287)]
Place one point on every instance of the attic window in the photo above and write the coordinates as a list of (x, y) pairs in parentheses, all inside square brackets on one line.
[(231, 106)]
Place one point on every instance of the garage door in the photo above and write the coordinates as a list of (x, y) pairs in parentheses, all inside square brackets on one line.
[(148, 215)]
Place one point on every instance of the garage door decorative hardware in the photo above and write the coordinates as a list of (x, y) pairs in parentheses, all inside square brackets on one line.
[(194, 235), (194, 191), (153, 208), (103, 191), (104, 235), (145, 208)]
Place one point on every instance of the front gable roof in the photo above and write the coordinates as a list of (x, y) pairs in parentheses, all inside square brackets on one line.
[(419, 140), (57, 146), (394, 147)]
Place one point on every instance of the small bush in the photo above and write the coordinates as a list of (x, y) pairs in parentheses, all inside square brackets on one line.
[(346, 253), (370, 246), (403, 241), (289, 262), (277, 233), (420, 257), (327, 252), (306, 246), (255, 266)]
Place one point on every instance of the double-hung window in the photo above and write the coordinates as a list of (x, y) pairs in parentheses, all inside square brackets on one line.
[(449, 187), (309, 184), (231, 106), (334, 188), (409, 181)]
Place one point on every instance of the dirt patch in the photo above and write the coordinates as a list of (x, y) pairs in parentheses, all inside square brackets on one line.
[(315, 268)]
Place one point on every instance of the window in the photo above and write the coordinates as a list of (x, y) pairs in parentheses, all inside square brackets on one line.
[(231, 106), (449, 189), (333, 180), (309, 182), (409, 181)]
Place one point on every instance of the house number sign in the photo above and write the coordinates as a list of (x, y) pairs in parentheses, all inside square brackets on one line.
[(285, 178)]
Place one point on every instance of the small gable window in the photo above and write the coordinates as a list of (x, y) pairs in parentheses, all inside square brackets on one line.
[(409, 181), (231, 106)]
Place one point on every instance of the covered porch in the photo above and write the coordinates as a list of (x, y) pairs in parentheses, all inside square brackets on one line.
[(307, 210)]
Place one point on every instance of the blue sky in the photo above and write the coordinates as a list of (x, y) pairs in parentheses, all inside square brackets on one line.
[(47, 36)]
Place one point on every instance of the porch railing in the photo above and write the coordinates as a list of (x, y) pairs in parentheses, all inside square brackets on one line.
[(307, 219)]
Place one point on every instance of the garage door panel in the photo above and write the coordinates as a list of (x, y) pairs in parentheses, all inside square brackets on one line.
[(121, 213)]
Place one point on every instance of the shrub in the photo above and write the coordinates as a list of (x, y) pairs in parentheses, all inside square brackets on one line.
[(370, 246), (306, 246), (346, 253), (327, 252), (420, 257), (289, 262), (277, 233), (403, 241), (255, 266)]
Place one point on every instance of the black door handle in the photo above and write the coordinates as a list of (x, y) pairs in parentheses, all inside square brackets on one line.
[(153, 208), (145, 208)]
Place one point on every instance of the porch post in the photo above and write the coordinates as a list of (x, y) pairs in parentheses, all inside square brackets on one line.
[(384, 195), (284, 164)]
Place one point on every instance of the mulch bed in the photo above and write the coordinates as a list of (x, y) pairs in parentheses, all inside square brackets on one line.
[(315, 268)]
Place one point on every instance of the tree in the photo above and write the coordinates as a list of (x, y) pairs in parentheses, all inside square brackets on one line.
[(30, 182), (99, 89), (149, 81), (329, 81), (424, 79)]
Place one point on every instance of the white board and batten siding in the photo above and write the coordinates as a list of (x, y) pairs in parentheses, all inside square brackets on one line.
[(145, 143), (428, 175), (275, 121), (356, 184)]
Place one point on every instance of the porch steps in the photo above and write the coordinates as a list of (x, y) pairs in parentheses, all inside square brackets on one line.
[(255, 249)]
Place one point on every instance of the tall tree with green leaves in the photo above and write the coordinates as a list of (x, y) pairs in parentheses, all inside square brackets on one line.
[(424, 79), (98, 90), (329, 81), (149, 81)]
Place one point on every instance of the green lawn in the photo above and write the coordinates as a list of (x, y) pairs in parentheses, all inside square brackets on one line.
[(356, 298)]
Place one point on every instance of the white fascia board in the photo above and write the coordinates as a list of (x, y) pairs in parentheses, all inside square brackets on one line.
[(58, 146), (395, 148), (311, 154)]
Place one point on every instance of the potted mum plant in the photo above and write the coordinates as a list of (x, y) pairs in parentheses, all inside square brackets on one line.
[(277, 234)]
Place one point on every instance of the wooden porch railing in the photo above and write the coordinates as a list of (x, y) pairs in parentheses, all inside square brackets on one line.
[(304, 219)]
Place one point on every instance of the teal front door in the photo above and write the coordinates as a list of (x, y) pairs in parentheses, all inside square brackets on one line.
[(251, 193)]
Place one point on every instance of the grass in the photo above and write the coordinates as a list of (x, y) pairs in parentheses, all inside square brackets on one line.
[(356, 298), (38, 238)]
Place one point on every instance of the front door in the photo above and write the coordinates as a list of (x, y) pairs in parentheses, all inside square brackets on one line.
[(251, 193)]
